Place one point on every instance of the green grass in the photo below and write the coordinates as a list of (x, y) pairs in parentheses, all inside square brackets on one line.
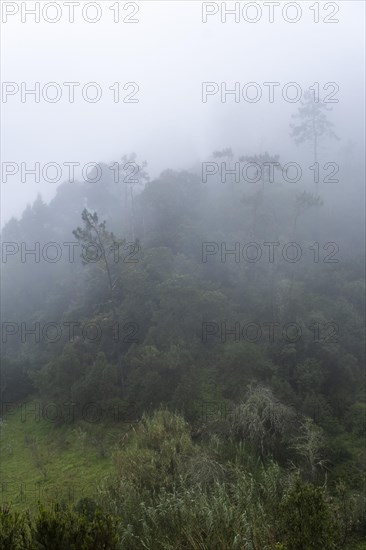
[(41, 462)]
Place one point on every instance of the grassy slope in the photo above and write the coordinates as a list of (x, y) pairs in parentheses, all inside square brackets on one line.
[(40, 461)]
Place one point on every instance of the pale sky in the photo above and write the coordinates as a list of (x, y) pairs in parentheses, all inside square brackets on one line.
[(168, 53)]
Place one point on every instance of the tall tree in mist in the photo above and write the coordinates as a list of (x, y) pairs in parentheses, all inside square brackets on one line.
[(266, 165), (94, 234), (312, 125), (131, 175)]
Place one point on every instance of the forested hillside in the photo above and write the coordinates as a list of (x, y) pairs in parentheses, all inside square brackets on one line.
[(182, 275), (214, 323)]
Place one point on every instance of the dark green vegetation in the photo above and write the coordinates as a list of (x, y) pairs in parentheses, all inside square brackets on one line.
[(82, 528), (242, 441), (168, 492)]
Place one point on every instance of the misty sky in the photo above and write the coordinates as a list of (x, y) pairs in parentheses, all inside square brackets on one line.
[(169, 53)]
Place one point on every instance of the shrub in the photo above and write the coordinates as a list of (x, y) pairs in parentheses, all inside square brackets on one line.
[(61, 528), (307, 519), (15, 530)]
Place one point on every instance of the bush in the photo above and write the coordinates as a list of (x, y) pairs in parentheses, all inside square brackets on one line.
[(307, 519), (58, 528), (15, 530), (61, 528)]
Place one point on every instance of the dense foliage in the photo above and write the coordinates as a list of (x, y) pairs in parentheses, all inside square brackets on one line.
[(245, 439)]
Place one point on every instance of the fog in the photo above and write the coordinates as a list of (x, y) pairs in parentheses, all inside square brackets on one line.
[(169, 53), (182, 275)]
